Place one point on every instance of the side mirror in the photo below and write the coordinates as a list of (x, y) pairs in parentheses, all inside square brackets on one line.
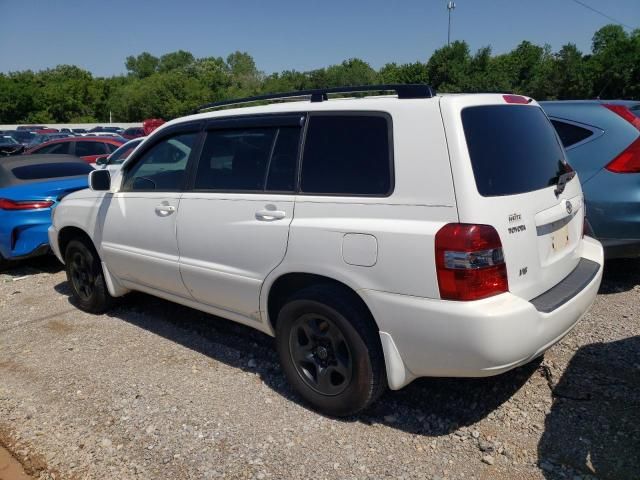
[(100, 180), (101, 161)]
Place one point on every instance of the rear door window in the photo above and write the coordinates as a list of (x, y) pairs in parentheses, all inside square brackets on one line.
[(254, 159), (570, 134), (347, 155), (513, 149)]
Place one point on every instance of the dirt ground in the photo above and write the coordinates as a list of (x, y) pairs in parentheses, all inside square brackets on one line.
[(155, 390)]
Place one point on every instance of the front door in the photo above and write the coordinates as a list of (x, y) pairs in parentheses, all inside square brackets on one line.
[(233, 224), (139, 242)]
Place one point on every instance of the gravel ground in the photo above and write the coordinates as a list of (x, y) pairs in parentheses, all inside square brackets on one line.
[(156, 390)]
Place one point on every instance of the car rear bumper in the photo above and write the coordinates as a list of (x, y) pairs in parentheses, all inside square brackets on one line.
[(431, 337), (24, 236)]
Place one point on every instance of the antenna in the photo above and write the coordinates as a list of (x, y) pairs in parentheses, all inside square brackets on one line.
[(450, 7)]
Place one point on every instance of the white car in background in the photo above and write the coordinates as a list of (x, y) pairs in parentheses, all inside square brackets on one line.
[(378, 239)]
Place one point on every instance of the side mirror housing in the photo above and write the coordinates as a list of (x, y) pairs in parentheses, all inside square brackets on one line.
[(101, 161), (100, 180)]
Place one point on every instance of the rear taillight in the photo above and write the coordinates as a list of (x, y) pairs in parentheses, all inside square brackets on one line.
[(6, 204), (628, 161), (470, 262), (625, 113)]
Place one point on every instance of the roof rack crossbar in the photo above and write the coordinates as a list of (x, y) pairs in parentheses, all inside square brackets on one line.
[(416, 90)]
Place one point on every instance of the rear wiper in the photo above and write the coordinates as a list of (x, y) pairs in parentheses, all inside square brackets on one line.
[(563, 179)]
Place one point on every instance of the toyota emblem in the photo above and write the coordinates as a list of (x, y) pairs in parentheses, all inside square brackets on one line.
[(569, 207)]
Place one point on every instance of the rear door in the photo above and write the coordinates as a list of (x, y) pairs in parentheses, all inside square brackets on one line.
[(507, 162), (233, 224)]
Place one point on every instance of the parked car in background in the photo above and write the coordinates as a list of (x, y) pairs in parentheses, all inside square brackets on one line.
[(150, 124), (9, 146), (30, 187), (87, 148), (133, 132), (602, 140), (31, 128), (40, 138), (321, 223), (110, 129), (79, 131), (47, 130), (23, 137), (116, 159)]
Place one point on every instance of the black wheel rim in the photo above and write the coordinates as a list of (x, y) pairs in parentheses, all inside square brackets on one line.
[(320, 354), (82, 275)]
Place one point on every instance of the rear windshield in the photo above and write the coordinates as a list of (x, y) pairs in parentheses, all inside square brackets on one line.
[(513, 149), (51, 170)]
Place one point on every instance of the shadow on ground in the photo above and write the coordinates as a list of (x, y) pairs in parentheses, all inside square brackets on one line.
[(430, 407), (620, 275), (594, 424), (32, 266)]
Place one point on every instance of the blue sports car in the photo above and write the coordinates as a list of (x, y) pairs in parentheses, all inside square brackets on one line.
[(30, 187), (602, 140)]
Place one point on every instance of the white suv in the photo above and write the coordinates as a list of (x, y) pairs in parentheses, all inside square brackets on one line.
[(379, 239)]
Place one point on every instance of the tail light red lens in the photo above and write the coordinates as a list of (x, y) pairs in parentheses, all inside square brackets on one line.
[(625, 113), (628, 161), (470, 262), (6, 204)]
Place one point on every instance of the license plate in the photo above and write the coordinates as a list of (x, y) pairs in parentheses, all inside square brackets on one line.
[(560, 238)]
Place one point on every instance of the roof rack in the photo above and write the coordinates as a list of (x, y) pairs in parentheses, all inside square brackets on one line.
[(415, 90)]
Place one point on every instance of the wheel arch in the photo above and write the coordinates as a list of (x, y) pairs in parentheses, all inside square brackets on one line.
[(286, 284)]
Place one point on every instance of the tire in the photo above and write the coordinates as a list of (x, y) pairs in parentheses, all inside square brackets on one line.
[(85, 276), (330, 350)]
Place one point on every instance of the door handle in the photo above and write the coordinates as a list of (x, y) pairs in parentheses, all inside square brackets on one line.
[(270, 215), (164, 210)]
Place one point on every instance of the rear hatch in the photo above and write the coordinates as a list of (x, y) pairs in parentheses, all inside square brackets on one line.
[(507, 164)]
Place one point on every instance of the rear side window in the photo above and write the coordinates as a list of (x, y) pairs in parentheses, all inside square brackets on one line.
[(51, 170), (570, 134), (347, 155), (513, 149), (249, 159)]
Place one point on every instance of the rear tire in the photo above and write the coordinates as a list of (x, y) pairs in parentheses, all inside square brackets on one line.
[(330, 350), (85, 276), (4, 264)]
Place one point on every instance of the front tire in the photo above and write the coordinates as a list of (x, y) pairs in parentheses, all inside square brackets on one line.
[(330, 350), (85, 276)]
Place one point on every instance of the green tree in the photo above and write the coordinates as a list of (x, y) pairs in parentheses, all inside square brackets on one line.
[(143, 65), (175, 61)]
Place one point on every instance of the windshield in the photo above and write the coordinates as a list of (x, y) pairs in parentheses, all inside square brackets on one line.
[(513, 148), (7, 139)]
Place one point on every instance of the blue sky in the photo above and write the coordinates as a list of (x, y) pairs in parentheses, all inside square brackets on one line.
[(284, 34)]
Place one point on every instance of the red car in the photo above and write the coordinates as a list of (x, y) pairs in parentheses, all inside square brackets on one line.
[(87, 148)]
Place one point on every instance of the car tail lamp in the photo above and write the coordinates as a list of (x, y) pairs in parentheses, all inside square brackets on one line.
[(470, 262), (6, 204), (628, 161), (625, 113), (516, 99)]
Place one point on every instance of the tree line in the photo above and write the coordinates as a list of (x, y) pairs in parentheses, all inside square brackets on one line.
[(174, 84)]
